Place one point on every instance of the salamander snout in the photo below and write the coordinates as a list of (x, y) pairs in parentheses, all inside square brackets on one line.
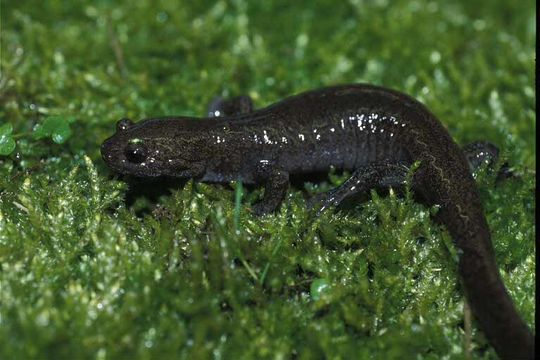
[(129, 156), (123, 150)]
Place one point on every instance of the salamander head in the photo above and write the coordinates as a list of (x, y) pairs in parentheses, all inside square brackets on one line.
[(156, 147)]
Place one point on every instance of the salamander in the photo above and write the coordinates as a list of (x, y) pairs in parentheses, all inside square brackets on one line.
[(375, 133)]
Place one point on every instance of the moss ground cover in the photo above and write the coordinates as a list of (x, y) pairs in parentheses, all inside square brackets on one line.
[(192, 274)]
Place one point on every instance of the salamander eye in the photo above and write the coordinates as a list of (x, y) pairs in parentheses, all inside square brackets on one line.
[(136, 152), (123, 124)]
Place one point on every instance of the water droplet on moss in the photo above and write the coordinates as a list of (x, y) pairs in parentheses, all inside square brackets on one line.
[(318, 288)]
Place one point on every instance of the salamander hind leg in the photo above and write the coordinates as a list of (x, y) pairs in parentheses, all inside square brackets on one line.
[(362, 180), (274, 192), (484, 153), (220, 107), (480, 153)]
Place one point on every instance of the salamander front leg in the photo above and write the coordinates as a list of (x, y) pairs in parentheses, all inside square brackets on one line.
[(363, 180), (274, 192), (220, 107)]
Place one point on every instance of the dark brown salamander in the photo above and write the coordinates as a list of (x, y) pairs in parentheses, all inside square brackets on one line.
[(374, 132)]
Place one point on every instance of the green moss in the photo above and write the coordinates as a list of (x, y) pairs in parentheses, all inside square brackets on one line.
[(197, 276)]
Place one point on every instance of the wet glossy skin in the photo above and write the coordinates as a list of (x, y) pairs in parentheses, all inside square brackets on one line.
[(249, 146), (374, 132)]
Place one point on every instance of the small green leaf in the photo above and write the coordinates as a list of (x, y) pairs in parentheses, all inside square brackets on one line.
[(62, 134), (7, 144), (55, 127)]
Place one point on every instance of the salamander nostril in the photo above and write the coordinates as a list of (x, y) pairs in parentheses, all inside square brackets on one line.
[(106, 150)]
